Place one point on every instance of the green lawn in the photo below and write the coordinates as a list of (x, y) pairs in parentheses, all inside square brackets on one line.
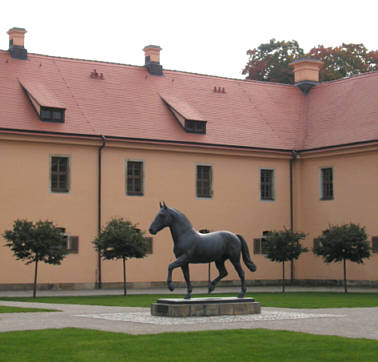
[(6, 309), (232, 345), (288, 300)]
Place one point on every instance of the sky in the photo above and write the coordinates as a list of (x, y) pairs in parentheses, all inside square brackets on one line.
[(206, 37)]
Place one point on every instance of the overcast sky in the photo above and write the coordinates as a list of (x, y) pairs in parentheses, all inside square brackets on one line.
[(207, 37)]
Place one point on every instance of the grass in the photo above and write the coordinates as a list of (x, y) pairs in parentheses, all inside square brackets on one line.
[(288, 300), (6, 309), (72, 344)]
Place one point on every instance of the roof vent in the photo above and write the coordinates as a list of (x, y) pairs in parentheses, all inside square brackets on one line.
[(16, 43), (306, 73), (152, 59)]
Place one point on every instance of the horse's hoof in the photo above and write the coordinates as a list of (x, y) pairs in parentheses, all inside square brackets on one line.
[(171, 287), (211, 288), (188, 296), (241, 295)]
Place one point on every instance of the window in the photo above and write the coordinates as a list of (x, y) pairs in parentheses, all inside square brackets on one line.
[(326, 179), (134, 178), (149, 246), (204, 181), (52, 114), (59, 174), (266, 184), (374, 244), (195, 126), (260, 244), (71, 243)]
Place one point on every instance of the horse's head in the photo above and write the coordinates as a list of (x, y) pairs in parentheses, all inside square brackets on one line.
[(162, 219)]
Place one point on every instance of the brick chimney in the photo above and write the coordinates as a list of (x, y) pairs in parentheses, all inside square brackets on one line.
[(16, 43), (306, 73), (152, 59)]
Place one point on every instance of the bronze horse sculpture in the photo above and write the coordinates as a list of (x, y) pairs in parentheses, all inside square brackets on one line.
[(192, 247)]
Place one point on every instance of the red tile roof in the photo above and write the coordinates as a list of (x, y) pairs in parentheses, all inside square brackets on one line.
[(127, 102)]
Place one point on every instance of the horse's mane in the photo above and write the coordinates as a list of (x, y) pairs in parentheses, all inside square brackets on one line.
[(180, 216)]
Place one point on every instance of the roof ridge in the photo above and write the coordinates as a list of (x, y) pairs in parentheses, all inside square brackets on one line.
[(183, 72)]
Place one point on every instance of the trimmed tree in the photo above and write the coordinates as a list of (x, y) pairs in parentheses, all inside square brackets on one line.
[(120, 239), (284, 246), (342, 243), (42, 241)]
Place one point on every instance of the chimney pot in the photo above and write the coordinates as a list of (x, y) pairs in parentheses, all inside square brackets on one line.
[(306, 73), (16, 43), (152, 59)]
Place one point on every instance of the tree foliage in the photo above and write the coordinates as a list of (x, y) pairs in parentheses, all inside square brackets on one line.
[(341, 243), (284, 246), (120, 239), (344, 61), (33, 243), (270, 61)]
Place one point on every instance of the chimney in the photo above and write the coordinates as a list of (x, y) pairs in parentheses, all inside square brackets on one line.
[(306, 73), (16, 43), (152, 59)]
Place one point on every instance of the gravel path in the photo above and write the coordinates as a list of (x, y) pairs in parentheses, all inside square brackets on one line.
[(346, 322)]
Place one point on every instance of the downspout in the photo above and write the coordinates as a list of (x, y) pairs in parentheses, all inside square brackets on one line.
[(99, 205), (294, 155)]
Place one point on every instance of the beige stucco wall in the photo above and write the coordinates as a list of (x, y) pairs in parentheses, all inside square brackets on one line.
[(355, 200), (24, 188), (169, 175)]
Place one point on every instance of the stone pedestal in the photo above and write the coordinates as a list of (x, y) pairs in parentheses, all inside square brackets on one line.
[(201, 307)]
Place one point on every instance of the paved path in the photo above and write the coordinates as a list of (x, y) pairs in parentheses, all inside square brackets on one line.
[(347, 322)]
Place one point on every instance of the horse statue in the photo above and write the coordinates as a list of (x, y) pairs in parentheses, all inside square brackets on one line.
[(192, 247)]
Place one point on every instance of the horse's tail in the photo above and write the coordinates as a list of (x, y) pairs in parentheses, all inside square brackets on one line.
[(245, 253)]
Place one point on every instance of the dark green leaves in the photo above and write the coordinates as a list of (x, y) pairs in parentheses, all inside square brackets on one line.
[(31, 242), (345, 242), (121, 239), (284, 245)]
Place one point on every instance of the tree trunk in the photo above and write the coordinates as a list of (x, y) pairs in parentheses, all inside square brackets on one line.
[(35, 278), (345, 280), (283, 277), (124, 276), (291, 271)]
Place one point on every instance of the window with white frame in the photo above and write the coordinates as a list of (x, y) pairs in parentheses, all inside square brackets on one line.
[(134, 178), (59, 174), (267, 184), (204, 181), (326, 183)]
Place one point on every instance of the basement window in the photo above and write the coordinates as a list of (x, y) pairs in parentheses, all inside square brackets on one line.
[(374, 244), (260, 244)]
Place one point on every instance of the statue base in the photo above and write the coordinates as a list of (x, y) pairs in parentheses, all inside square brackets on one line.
[(204, 307)]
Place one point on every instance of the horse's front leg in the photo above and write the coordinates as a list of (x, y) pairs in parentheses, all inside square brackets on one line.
[(185, 271), (178, 262)]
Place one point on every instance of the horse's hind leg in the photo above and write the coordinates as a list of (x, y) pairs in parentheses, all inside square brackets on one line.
[(222, 273), (185, 271), (238, 268)]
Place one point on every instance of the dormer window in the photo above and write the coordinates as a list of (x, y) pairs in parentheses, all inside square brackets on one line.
[(195, 126), (45, 103), (186, 115), (52, 114)]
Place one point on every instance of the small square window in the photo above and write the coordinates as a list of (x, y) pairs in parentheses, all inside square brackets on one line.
[(326, 176), (59, 174), (267, 184), (204, 181), (134, 178)]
